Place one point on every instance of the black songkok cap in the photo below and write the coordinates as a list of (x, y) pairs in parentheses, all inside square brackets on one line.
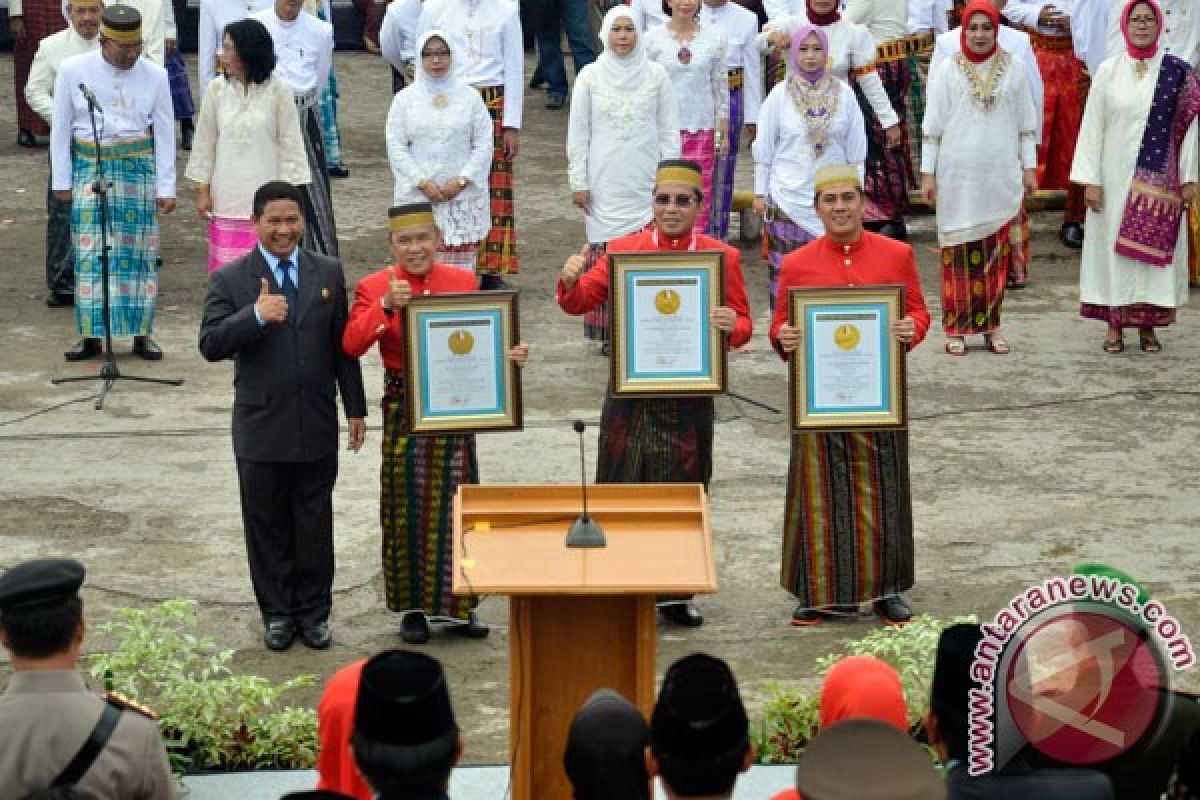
[(121, 22), (699, 714), (403, 701), (43, 580)]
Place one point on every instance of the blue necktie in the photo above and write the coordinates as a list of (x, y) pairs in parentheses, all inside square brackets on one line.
[(289, 288)]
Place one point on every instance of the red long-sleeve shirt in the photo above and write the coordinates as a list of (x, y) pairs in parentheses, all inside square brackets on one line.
[(336, 770), (592, 288), (873, 260), (369, 323)]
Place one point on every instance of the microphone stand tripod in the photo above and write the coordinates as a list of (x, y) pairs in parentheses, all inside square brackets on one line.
[(108, 364)]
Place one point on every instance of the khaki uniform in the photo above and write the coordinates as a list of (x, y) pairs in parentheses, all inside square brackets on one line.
[(45, 718)]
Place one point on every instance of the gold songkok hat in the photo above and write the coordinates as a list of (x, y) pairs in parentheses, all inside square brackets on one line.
[(678, 170), (836, 174), (121, 24), (413, 215)]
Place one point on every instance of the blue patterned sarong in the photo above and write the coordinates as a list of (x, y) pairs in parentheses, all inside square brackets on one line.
[(133, 237), (331, 134)]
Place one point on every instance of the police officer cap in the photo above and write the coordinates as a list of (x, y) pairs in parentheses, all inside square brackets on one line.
[(43, 580)]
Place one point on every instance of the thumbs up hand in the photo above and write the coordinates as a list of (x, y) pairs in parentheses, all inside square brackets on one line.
[(574, 268), (398, 294), (272, 308)]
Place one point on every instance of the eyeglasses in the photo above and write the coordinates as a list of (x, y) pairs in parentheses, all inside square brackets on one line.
[(435, 54), (681, 200), (1143, 20)]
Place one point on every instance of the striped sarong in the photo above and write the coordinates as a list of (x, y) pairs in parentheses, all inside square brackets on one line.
[(419, 478), (133, 238), (782, 236), (320, 228), (181, 90), (1138, 315), (595, 322), (727, 164), (42, 18), (498, 252), (331, 134), (914, 111), (229, 239), (462, 256), (973, 279), (655, 440), (847, 530), (889, 171), (700, 147)]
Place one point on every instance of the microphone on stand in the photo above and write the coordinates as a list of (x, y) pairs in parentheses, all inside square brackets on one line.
[(584, 532), (90, 97)]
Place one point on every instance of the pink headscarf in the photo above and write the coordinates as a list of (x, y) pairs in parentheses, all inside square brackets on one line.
[(799, 37), (1141, 52)]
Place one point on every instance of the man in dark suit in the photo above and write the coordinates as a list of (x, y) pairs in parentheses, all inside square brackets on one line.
[(279, 312)]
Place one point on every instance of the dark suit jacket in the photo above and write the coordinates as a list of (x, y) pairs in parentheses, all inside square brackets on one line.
[(285, 376)]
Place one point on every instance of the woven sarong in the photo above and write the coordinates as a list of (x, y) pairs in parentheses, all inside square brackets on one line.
[(320, 228), (181, 90), (914, 110), (847, 528), (1138, 315), (973, 280), (229, 239), (60, 256), (782, 236), (498, 252), (42, 18), (595, 322), (889, 170), (660, 440), (331, 134), (727, 164), (1018, 248), (1193, 219), (700, 147), (463, 256), (133, 238), (1062, 111), (419, 478)]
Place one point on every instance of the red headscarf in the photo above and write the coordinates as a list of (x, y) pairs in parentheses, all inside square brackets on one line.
[(1141, 52), (988, 10), (821, 19)]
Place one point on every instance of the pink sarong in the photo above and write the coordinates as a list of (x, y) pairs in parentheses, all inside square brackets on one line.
[(701, 147), (228, 239)]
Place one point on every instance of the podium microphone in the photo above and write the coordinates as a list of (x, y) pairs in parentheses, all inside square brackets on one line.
[(90, 97), (584, 532)]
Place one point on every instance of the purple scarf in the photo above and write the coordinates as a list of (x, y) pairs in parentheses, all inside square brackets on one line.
[(1154, 207)]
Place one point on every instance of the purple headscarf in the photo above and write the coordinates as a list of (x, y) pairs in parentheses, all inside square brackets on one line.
[(800, 36)]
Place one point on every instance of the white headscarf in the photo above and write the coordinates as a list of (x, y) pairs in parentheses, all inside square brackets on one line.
[(622, 72), (426, 83)]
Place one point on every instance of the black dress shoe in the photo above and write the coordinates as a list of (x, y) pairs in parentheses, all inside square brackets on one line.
[(339, 172), (145, 347), (60, 300), (555, 101), (316, 636), (538, 80), (1071, 234), (471, 629), (684, 613), (414, 629), (26, 139), (805, 617), (83, 349), (893, 610), (186, 131), (279, 634)]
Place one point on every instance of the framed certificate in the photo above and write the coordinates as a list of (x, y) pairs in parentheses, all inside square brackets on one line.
[(662, 341), (848, 373), (459, 378)]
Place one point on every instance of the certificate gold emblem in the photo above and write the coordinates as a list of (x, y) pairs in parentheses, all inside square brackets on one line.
[(667, 301), (461, 342), (847, 336)]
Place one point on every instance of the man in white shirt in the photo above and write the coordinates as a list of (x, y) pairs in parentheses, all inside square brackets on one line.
[(134, 121), (488, 33), (304, 56), (1048, 23), (398, 39), (744, 65), (210, 33), (81, 36)]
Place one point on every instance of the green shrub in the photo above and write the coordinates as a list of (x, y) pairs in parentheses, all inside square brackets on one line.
[(210, 718), (791, 713)]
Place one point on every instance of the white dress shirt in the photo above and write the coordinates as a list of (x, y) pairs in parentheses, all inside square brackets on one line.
[(51, 52), (132, 101), (214, 16), (920, 16), (701, 86), (778, 9), (1025, 13), (398, 34), (488, 32), (740, 27), (648, 14), (158, 25), (886, 20), (1016, 43), (303, 50), (246, 136)]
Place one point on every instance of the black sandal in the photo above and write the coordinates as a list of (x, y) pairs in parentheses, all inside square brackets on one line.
[(1149, 342), (1114, 346)]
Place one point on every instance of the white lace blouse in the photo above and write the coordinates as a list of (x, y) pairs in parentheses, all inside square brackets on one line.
[(701, 85), (425, 142)]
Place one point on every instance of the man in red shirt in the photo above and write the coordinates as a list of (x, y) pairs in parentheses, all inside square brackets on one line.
[(661, 440), (420, 474), (847, 527)]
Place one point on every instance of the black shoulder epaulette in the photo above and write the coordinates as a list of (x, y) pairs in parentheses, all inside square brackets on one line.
[(123, 703)]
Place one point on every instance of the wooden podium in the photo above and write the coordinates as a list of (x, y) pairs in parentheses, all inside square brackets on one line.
[(580, 619)]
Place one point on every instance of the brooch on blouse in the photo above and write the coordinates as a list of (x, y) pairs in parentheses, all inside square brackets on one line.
[(684, 55), (440, 101)]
